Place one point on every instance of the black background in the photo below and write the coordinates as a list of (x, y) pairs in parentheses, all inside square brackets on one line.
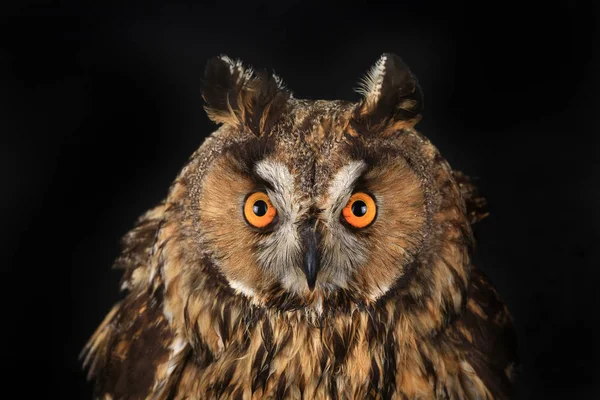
[(100, 108)]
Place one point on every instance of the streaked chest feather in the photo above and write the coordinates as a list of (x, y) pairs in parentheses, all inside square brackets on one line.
[(353, 357)]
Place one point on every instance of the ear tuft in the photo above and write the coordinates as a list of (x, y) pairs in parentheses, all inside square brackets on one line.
[(392, 98), (371, 82), (237, 95)]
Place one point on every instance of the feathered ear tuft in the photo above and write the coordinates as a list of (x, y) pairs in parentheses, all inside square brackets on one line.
[(238, 95), (392, 98)]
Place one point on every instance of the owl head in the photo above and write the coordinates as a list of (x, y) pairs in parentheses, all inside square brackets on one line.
[(313, 204)]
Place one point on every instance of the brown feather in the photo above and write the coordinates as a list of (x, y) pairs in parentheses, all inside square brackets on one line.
[(217, 309)]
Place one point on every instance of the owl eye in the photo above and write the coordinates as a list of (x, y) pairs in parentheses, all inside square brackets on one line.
[(360, 211), (258, 210)]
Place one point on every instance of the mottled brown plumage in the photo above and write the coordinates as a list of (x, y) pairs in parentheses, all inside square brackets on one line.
[(218, 309)]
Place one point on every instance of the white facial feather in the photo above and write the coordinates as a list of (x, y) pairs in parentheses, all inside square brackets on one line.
[(282, 196), (280, 251), (240, 287), (341, 189), (344, 250)]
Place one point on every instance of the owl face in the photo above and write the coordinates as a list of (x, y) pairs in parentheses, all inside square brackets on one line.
[(316, 204)]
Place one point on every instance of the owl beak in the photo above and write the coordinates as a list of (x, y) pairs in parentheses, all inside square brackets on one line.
[(310, 266)]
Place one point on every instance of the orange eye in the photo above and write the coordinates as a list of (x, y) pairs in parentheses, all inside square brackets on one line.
[(360, 210), (258, 210)]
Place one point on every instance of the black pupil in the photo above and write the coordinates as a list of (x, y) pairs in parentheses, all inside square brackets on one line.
[(260, 208), (359, 208)]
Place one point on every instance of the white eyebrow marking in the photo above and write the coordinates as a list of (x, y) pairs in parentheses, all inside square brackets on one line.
[(277, 174), (282, 196), (341, 187)]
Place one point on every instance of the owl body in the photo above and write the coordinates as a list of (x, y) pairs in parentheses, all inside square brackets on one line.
[(308, 250)]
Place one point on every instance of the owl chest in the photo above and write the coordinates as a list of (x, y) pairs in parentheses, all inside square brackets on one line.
[(300, 363)]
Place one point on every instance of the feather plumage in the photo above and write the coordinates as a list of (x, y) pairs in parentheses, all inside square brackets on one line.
[(217, 309)]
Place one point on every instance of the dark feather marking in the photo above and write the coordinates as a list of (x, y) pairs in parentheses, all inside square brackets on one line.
[(219, 85), (445, 189), (224, 324), (333, 389), (400, 99), (244, 155), (170, 390), (446, 394), (323, 360), (302, 386), (429, 369), (140, 344), (494, 345), (260, 379), (389, 367), (340, 351), (214, 280), (374, 378), (458, 280), (340, 301), (281, 387), (283, 300), (238, 394), (257, 364), (220, 387), (256, 101), (203, 354), (475, 203), (137, 245)]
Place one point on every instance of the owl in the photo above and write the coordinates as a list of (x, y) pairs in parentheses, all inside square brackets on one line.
[(309, 249)]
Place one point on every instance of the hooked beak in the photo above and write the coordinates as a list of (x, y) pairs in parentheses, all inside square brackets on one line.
[(311, 262)]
